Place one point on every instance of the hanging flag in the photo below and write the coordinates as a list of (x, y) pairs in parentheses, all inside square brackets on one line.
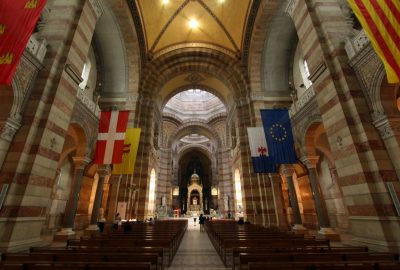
[(111, 137), (262, 162), (278, 131), (17, 21), (131, 145), (381, 21)]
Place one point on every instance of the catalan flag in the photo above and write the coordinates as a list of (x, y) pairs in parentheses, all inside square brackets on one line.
[(381, 21), (17, 21), (130, 148)]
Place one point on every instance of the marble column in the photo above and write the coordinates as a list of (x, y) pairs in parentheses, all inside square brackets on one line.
[(8, 129), (103, 171), (67, 232), (320, 207), (288, 171)]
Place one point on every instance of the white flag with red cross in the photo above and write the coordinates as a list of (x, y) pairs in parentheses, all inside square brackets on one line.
[(111, 137)]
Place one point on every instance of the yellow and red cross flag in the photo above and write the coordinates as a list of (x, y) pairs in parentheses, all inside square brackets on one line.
[(381, 21), (131, 145), (17, 21)]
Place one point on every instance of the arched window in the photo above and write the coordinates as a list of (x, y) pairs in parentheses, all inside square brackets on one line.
[(85, 74), (305, 73), (238, 192), (152, 192)]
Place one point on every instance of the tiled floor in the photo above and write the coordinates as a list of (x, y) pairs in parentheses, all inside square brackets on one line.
[(196, 252)]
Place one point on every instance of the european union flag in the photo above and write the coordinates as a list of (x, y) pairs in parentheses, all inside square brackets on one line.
[(278, 132)]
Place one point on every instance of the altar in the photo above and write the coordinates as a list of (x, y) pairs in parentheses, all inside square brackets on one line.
[(195, 196)]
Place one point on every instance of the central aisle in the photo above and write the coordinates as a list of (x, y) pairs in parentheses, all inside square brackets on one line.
[(196, 251)]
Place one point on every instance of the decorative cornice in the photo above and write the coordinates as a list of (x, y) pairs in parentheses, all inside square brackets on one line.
[(97, 8), (383, 126), (249, 29), (356, 44), (291, 6), (194, 45), (139, 30), (8, 129)]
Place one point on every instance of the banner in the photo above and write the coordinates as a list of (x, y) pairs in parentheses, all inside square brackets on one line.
[(381, 21), (111, 137), (262, 162), (17, 21), (278, 131), (131, 145)]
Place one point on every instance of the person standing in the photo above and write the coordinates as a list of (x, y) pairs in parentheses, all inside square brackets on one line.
[(201, 222)]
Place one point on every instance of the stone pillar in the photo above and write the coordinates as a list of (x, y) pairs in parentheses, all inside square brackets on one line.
[(322, 215), (276, 188), (390, 137), (7, 132), (288, 171), (103, 172), (72, 205)]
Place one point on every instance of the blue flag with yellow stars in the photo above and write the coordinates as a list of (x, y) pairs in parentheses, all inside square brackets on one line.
[(278, 132)]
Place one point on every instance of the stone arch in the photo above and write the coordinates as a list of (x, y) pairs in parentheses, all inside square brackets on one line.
[(273, 42), (78, 143), (315, 140), (201, 126), (199, 147), (171, 64), (193, 86), (117, 44)]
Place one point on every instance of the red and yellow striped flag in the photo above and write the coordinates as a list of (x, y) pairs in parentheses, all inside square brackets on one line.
[(381, 21)]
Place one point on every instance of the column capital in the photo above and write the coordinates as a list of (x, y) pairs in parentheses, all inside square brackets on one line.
[(104, 170), (287, 170), (310, 161), (81, 162), (8, 129)]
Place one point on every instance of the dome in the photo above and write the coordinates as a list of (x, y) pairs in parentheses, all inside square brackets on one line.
[(194, 178)]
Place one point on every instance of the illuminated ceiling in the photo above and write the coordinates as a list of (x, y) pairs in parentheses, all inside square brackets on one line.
[(171, 24)]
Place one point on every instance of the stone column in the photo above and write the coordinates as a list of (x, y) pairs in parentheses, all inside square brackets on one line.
[(72, 205), (7, 132), (103, 172), (323, 219), (276, 188), (287, 172)]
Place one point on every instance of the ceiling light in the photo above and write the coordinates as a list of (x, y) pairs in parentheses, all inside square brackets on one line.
[(221, 1), (193, 23), (164, 2)]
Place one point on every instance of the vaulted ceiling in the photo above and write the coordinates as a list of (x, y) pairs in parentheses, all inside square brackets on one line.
[(172, 24)]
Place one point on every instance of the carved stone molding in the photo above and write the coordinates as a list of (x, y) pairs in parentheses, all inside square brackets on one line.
[(291, 6), (384, 128), (8, 129), (310, 161), (287, 170), (98, 9)]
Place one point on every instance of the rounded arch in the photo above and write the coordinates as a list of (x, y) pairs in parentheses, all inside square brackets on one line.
[(194, 86), (273, 41), (119, 54), (315, 140), (172, 64), (76, 142), (199, 147), (187, 128)]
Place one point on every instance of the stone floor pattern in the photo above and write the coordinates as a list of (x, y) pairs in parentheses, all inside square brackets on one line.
[(196, 252)]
